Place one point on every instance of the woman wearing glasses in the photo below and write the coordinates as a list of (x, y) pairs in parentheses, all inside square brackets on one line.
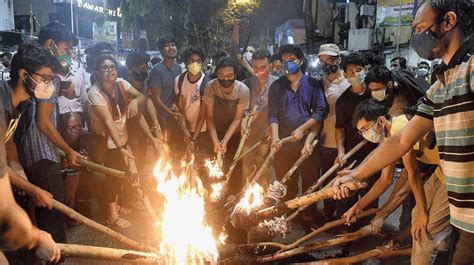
[(112, 101)]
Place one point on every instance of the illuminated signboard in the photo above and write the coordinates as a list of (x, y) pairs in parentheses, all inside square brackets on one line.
[(99, 9)]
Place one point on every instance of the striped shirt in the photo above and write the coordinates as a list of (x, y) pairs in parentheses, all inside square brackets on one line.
[(33, 144), (450, 104)]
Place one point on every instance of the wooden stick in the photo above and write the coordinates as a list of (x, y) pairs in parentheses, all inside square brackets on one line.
[(314, 233), (182, 124), (269, 158), (91, 166), (248, 123), (381, 253), (361, 233), (248, 151), (327, 175), (98, 227), (299, 162), (307, 199), (109, 254)]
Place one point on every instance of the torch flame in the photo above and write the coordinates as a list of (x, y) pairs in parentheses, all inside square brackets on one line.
[(215, 170), (252, 199), (186, 238)]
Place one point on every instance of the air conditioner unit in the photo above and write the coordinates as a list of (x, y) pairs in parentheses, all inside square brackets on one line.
[(360, 39)]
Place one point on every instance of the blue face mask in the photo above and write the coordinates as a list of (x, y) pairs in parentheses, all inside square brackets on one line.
[(291, 67)]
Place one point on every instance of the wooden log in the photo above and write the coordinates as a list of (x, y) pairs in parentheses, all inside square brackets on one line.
[(299, 162), (269, 158), (307, 199), (94, 167), (380, 252), (326, 175), (241, 219), (99, 228), (109, 254), (248, 151), (345, 238)]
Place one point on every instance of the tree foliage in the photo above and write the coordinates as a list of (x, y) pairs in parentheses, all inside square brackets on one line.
[(203, 23)]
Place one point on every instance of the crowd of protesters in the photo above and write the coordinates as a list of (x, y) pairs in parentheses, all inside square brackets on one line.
[(418, 126)]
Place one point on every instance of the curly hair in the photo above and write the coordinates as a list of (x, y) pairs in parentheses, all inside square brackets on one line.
[(292, 49), (193, 50), (136, 59), (31, 57), (378, 74)]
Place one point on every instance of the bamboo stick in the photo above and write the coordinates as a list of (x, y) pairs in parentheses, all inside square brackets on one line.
[(109, 254), (248, 123), (361, 233), (299, 162), (269, 158), (91, 166), (98, 227), (248, 151), (326, 175), (380, 252)]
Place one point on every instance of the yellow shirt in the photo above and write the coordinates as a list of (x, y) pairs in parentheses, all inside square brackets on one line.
[(429, 156)]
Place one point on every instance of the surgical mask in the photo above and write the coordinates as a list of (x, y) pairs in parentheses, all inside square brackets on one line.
[(140, 76), (424, 43), (226, 83), (357, 80), (194, 68), (423, 72), (41, 90), (276, 72), (330, 68), (291, 67), (371, 134), (379, 95)]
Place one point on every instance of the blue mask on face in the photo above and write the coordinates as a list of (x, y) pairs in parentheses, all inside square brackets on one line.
[(291, 67)]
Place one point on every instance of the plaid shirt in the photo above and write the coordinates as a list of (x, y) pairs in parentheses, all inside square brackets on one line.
[(33, 144)]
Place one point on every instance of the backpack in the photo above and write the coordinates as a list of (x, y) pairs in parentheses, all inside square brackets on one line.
[(201, 87)]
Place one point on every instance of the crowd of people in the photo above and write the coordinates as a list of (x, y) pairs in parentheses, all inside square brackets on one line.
[(418, 128)]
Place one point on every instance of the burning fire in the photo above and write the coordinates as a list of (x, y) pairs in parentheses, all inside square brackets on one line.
[(252, 199), (186, 238), (215, 173)]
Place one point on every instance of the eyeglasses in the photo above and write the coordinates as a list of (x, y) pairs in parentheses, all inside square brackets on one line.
[(108, 68), (362, 130), (331, 61), (46, 78)]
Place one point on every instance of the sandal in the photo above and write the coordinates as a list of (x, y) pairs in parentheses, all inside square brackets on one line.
[(119, 223)]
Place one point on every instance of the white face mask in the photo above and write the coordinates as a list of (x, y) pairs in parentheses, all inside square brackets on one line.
[(43, 90), (357, 80), (379, 95), (371, 134)]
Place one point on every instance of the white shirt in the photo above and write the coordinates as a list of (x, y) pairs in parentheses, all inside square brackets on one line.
[(332, 92), (192, 100)]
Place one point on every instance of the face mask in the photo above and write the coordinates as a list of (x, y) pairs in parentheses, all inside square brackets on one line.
[(140, 76), (291, 67), (329, 68), (358, 80), (65, 61), (261, 74), (276, 72), (41, 90), (379, 95), (423, 72), (424, 43), (226, 83), (371, 134), (194, 68)]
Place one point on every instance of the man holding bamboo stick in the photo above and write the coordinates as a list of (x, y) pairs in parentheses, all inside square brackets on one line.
[(259, 129), (297, 106)]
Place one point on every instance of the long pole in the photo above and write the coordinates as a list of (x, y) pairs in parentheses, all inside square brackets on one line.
[(72, 16), (398, 28), (31, 19)]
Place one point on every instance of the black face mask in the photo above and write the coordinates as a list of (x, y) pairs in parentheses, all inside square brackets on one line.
[(226, 83), (329, 68), (140, 76)]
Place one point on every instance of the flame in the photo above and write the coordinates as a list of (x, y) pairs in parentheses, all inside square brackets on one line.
[(215, 170), (216, 191), (252, 199), (222, 238), (186, 238)]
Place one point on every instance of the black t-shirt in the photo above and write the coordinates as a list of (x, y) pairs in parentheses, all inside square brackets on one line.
[(345, 107)]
